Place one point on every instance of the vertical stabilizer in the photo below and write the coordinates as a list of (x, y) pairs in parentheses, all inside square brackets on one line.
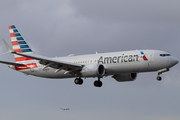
[(19, 44)]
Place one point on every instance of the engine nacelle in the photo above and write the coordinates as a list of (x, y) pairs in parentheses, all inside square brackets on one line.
[(93, 70), (125, 77)]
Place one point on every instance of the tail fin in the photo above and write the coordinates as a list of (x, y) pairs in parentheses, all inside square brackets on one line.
[(18, 44)]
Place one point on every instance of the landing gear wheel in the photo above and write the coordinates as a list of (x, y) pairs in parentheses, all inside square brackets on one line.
[(159, 78), (97, 83), (100, 84), (78, 81)]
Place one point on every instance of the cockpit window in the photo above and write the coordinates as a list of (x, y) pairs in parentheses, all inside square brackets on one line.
[(163, 55)]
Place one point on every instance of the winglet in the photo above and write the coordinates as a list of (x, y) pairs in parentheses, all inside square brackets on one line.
[(8, 47)]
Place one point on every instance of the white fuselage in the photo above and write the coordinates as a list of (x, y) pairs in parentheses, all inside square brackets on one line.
[(114, 63)]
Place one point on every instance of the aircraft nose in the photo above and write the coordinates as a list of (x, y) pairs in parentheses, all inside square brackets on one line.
[(173, 61)]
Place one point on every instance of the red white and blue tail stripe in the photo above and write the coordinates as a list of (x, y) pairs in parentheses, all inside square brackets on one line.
[(18, 44)]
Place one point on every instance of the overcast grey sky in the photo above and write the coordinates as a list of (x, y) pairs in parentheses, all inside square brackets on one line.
[(61, 27)]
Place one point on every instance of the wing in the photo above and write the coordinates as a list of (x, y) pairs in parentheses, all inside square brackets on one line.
[(52, 62), (71, 68)]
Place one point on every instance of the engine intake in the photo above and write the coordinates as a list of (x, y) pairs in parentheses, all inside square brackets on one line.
[(93, 70)]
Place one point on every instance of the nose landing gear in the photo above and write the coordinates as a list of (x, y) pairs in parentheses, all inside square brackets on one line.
[(160, 72), (159, 78)]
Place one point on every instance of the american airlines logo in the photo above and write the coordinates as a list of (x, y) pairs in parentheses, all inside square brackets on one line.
[(121, 59), (118, 59), (144, 56)]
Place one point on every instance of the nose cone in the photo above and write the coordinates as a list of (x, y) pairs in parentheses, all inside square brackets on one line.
[(173, 61)]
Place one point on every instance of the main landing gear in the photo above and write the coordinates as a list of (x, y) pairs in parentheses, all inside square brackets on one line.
[(160, 72), (78, 81), (98, 83)]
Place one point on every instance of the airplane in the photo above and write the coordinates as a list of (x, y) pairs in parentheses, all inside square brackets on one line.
[(123, 66), (65, 108)]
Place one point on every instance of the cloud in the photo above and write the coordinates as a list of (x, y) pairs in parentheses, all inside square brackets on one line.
[(130, 11)]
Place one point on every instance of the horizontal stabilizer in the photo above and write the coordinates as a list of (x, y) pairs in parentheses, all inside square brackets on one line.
[(8, 47), (11, 63)]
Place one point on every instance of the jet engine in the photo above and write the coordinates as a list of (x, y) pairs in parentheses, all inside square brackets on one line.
[(125, 77), (93, 70)]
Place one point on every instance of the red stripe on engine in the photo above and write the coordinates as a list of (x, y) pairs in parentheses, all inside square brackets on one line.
[(26, 66), (15, 43), (12, 35), (22, 59), (18, 50)]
